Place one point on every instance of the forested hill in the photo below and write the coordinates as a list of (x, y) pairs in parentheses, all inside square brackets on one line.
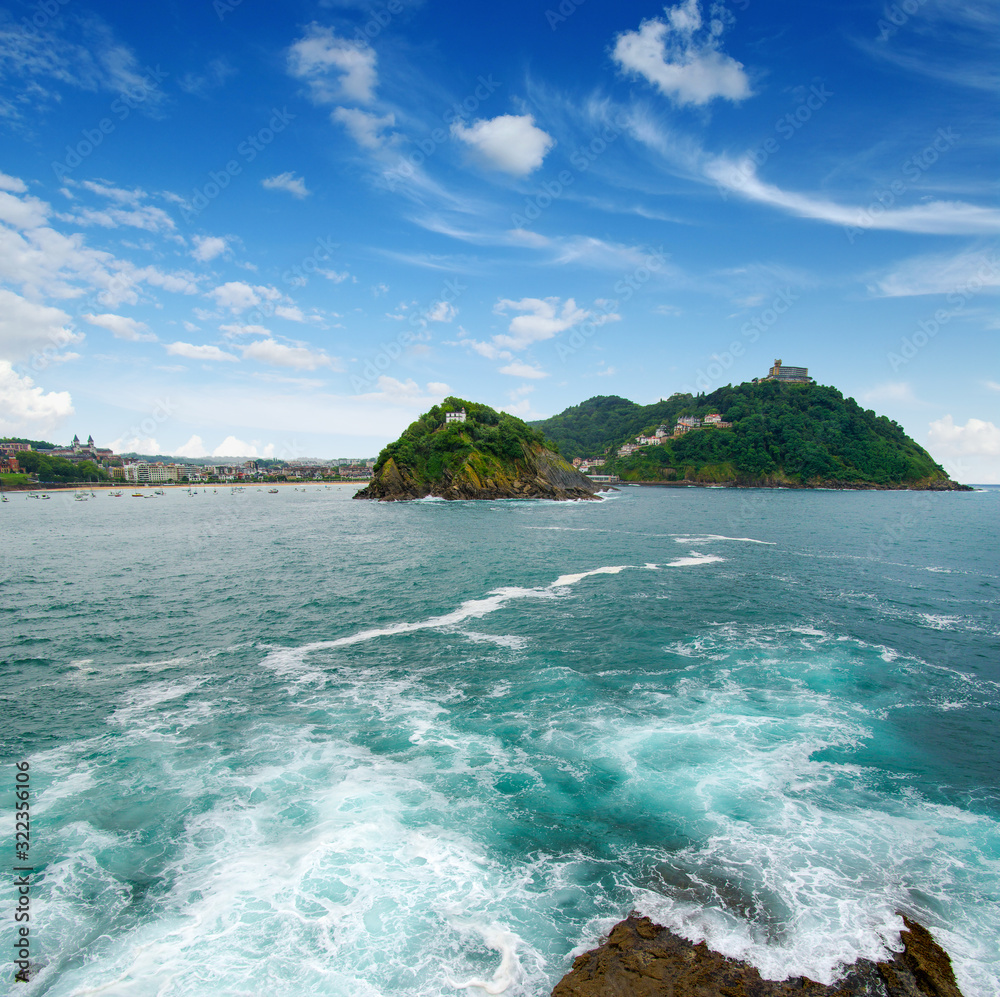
[(485, 455), (781, 434)]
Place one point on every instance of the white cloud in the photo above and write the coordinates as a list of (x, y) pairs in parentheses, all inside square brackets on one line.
[(120, 195), (442, 311), (320, 53), (15, 184), (238, 296), (23, 212), (27, 409), (511, 143), (975, 438), (520, 369), (147, 217), (970, 271), (290, 312), (487, 350), (208, 247), (231, 446), (365, 128), (438, 388), (929, 218), (193, 352), (541, 319), (337, 278), (232, 330), (992, 385), (123, 328), (682, 58), (269, 351), (193, 448), (27, 328), (289, 182), (135, 444)]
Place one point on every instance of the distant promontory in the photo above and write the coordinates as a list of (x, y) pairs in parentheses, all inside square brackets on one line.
[(464, 450), (772, 433)]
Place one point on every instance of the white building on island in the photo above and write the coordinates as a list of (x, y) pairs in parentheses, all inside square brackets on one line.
[(455, 416)]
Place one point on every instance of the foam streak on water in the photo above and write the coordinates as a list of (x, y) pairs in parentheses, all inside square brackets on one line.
[(418, 754)]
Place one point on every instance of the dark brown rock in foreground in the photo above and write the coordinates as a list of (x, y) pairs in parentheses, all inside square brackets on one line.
[(642, 959)]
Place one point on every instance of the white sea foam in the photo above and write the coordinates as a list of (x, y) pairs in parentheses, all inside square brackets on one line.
[(285, 660), (505, 942), (693, 558), (691, 538)]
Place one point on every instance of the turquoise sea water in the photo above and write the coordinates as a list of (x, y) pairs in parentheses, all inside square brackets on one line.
[(345, 748)]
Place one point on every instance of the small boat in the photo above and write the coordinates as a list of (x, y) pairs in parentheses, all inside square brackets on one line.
[(79, 497), (138, 495), (159, 491), (47, 497), (272, 491)]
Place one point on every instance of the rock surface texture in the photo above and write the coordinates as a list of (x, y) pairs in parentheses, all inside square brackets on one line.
[(642, 959)]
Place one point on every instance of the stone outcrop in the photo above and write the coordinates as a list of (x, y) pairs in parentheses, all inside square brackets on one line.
[(642, 959), (541, 474)]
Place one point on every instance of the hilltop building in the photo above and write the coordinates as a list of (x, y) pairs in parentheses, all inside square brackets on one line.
[(78, 451), (790, 375), (455, 416)]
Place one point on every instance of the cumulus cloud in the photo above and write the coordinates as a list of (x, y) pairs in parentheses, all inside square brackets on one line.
[(289, 182), (976, 438), (320, 54), (269, 351), (681, 56), (441, 311), (193, 352), (194, 447), (122, 327), (26, 408), (208, 247), (27, 327), (232, 446), (135, 444), (365, 128), (540, 319), (238, 296), (511, 143)]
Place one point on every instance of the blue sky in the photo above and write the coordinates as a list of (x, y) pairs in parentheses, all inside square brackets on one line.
[(247, 229)]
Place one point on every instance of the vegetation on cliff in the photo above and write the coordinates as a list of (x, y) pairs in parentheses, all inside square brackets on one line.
[(489, 455), (781, 434), (60, 469)]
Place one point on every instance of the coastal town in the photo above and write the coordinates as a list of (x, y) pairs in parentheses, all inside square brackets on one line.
[(134, 470)]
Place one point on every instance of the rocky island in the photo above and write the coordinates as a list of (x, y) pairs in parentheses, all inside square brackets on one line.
[(642, 959), (463, 450)]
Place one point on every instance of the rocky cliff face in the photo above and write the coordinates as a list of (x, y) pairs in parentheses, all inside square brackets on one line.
[(641, 959), (542, 474)]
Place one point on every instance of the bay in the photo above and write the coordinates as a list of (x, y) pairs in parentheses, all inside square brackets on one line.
[(427, 748)]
